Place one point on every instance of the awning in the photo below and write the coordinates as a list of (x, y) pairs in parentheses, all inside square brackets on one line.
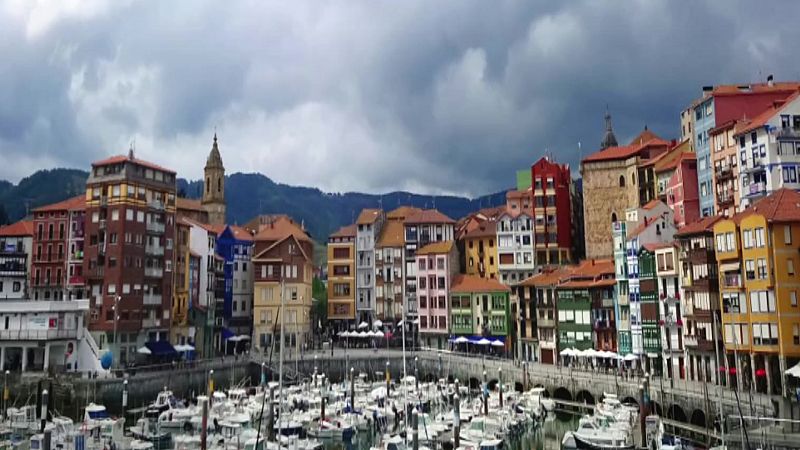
[(227, 334), (160, 348), (729, 267)]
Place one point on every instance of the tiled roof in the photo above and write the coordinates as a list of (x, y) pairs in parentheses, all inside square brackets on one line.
[(593, 268), (436, 248), (706, 224), (345, 231), (240, 233), (623, 152), (755, 88), (653, 246), (761, 119), (17, 229), (645, 136), (428, 216), (70, 204), (648, 221), (651, 204), (728, 124), (548, 277), (472, 283), (579, 284), (487, 228), (672, 158), (402, 212), (123, 158), (517, 194), (278, 228), (189, 204), (392, 235), (368, 216), (783, 205)]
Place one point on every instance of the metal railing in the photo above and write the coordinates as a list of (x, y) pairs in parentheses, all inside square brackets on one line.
[(152, 299), (153, 272), (156, 227), (37, 335)]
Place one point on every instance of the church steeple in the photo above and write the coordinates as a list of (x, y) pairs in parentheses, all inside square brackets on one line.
[(609, 140), (214, 186)]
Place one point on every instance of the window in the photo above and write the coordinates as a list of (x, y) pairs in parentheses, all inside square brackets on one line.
[(747, 238), (793, 298), (787, 234), (622, 181), (762, 269), (750, 269), (796, 334), (759, 234)]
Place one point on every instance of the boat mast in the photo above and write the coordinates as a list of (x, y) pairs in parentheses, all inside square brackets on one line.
[(280, 361), (719, 385)]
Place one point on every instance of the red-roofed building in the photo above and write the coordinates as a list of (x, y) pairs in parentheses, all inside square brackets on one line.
[(681, 193), (586, 307), (436, 264), (616, 179), (555, 219), (342, 278), (58, 239), (16, 243), (128, 252), (725, 160)]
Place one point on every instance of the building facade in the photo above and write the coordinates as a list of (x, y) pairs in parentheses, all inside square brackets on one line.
[(16, 243), (552, 212), (369, 225), (725, 160), (671, 314), (588, 284), (128, 252), (57, 266), (389, 270), (341, 278), (436, 264), (480, 306), (235, 246), (515, 257), (214, 187)]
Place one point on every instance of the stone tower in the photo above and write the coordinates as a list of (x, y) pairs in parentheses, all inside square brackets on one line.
[(609, 140), (214, 186)]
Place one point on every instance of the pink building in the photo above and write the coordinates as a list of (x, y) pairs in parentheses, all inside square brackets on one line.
[(682, 195), (436, 265)]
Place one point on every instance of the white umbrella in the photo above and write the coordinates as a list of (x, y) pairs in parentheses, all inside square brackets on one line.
[(566, 352), (377, 323), (235, 338), (794, 371), (144, 351), (461, 340), (341, 333), (400, 324), (484, 341), (415, 321), (590, 353), (370, 334), (378, 333), (180, 348), (344, 333), (498, 343), (363, 325), (363, 334), (630, 357)]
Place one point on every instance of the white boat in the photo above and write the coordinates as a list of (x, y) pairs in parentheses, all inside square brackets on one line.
[(331, 429), (591, 435)]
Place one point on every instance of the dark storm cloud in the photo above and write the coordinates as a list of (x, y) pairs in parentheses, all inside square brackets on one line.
[(437, 97)]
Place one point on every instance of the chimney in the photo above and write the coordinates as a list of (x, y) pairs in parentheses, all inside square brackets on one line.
[(770, 80)]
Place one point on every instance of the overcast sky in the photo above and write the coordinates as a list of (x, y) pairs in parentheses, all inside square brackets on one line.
[(429, 96)]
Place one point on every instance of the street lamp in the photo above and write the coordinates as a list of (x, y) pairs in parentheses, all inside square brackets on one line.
[(117, 299)]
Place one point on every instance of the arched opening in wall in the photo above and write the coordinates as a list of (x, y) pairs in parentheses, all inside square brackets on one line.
[(613, 217), (219, 184), (493, 384), (699, 418), (622, 181), (474, 383), (657, 409), (562, 393), (430, 378), (518, 386), (585, 397), (450, 379), (675, 412), (630, 401), (208, 185), (633, 179)]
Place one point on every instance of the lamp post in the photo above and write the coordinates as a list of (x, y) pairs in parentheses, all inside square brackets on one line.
[(117, 299), (124, 399)]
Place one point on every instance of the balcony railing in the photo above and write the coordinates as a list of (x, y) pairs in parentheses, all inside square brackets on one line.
[(154, 250), (156, 272), (788, 133), (151, 323), (155, 227), (759, 188), (157, 205), (723, 172), (152, 299), (37, 335), (732, 281)]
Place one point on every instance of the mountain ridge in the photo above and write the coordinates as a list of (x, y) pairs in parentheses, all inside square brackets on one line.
[(247, 195)]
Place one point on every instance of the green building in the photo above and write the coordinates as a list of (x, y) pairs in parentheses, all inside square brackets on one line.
[(589, 280), (480, 306)]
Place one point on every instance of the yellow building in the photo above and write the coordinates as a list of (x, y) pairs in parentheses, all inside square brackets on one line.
[(282, 268), (180, 296), (341, 277), (480, 251), (758, 257)]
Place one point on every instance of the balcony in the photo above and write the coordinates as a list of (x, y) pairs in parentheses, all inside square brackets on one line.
[(37, 335), (600, 325), (76, 280), (152, 299), (789, 133), (154, 272), (155, 227), (725, 201), (154, 250), (698, 343), (545, 323), (151, 322), (732, 281), (757, 189), (723, 172), (155, 204)]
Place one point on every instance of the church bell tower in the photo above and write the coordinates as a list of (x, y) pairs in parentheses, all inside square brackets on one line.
[(214, 186)]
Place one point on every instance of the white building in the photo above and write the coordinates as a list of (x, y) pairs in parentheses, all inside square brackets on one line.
[(369, 225), (421, 227), (515, 247), (769, 151), (16, 242), (669, 301)]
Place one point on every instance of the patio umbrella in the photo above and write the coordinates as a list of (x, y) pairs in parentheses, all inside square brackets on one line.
[(345, 334), (630, 357), (566, 352), (400, 324), (370, 334), (377, 323), (794, 371), (363, 325), (461, 340), (378, 333), (341, 333), (363, 334), (144, 351), (484, 341), (498, 343), (589, 353)]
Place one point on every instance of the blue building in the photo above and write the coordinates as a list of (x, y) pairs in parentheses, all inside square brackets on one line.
[(704, 121), (235, 246)]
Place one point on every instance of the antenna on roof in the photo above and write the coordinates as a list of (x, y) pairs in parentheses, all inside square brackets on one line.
[(132, 148)]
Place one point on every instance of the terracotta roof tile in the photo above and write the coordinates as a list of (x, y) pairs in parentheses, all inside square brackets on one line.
[(651, 204), (486, 228), (436, 248), (123, 158), (592, 268), (653, 246), (392, 235), (189, 204), (706, 224), (580, 284), (755, 88), (428, 216), (17, 229), (345, 231), (672, 157), (783, 205), (278, 228), (761, 119), (240, 233), (368, 216), (70, 204), (472, 283), (402, 212), (548, 277), (624, 152), (645, 136)]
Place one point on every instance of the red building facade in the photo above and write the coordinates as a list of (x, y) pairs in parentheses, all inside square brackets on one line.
[(54, 235), (551, 185)]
